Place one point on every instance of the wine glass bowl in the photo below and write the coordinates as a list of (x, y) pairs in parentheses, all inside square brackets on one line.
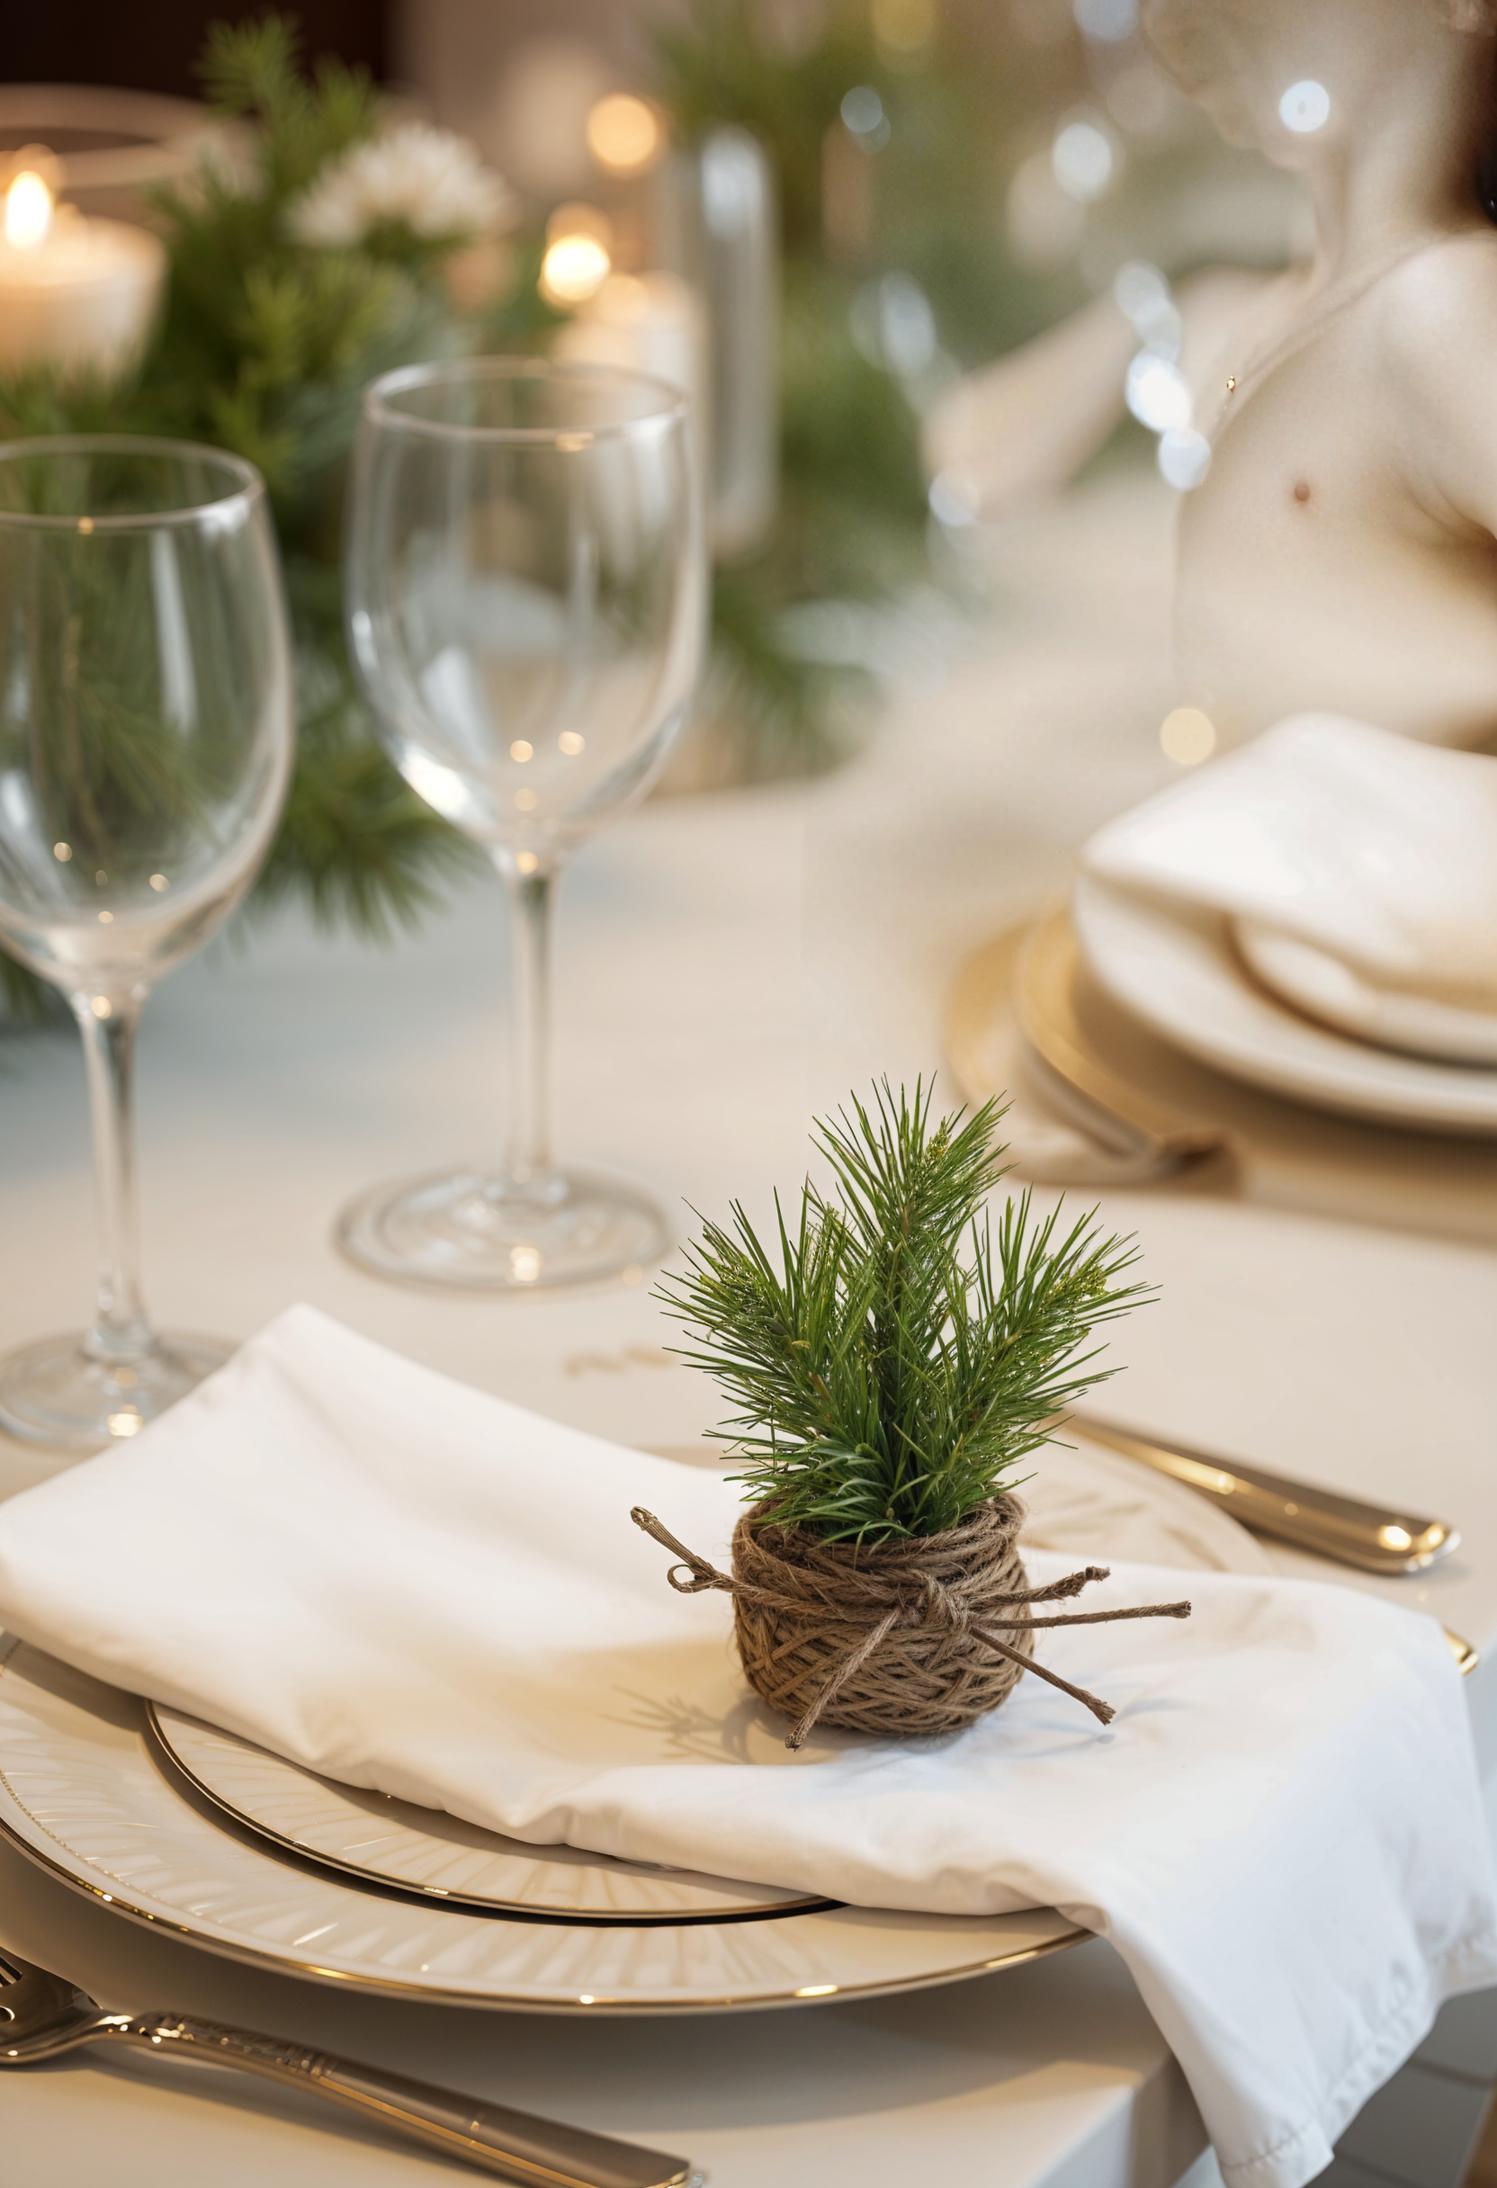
[(524, 604), (145, 795), (526, 588), (145, 747)]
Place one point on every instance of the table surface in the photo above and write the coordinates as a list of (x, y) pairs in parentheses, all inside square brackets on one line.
[(727, 967)]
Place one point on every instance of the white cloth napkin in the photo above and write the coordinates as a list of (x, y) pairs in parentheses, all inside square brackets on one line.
[(1358, 866), (413, 1587)]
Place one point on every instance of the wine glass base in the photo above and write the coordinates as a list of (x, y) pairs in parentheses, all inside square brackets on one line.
[(464, 1231), (56, 1393)]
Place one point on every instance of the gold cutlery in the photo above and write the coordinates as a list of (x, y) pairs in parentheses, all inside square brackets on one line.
[(1373, 1539), (1044, 999), (1028, 978), (42, 2015), (1332, 1526)]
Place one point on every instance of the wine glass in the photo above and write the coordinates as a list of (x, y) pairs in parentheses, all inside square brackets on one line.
[(146, 734), (526, 583)]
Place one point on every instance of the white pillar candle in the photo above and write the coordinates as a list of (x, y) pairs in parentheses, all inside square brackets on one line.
[(652, 323), (75, 295)]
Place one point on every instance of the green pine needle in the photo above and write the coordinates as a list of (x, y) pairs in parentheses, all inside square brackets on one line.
[(889, 1359)]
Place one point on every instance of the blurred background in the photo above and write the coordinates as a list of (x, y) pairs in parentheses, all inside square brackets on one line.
[(820, 215)]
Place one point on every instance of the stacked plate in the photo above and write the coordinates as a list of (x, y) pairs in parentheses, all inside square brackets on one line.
[(174, 1823), (1287, 1018)]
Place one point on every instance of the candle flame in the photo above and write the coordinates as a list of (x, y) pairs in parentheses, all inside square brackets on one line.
[(27, 217), (574, 268)]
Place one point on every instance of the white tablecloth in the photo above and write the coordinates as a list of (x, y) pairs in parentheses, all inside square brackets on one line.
[(728, 967)]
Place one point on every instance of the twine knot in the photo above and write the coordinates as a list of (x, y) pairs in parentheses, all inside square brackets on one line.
[(939, 1607), (921, 1635)]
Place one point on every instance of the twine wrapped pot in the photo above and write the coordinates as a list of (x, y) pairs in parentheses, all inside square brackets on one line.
[(911, 1637)]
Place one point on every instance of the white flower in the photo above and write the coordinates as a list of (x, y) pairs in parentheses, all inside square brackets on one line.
[(428, 180)]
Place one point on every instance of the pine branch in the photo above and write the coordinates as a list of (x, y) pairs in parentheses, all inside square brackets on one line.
[(360, 848), (779, 709), (888, 1362), (264, 348), (255, 71)]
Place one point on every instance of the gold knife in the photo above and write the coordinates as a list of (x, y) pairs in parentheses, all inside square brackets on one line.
[(1373, 1539), (1271, 1504)]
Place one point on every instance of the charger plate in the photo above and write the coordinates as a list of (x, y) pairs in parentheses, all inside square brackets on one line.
[(82, 1794)]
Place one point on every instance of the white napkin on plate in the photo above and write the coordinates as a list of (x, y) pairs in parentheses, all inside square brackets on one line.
[(414, 1587), (1359, 870)]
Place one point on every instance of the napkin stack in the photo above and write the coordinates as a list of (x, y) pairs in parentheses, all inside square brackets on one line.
[(412, 1587), (1358, 868)]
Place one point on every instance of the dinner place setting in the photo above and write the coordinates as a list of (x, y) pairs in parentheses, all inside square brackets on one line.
[(857, 1534)]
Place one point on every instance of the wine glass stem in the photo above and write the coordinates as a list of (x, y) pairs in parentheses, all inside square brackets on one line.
[(121, 1332), (527, 1166)]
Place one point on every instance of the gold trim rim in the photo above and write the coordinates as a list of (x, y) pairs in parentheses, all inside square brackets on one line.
[(377, 1986), (1451, 1116), (370, 1985), (159, 1743)]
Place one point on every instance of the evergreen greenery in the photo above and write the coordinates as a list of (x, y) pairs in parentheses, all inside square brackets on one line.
[(853, 516), (263, 347), (266, 342), (890, 1360)]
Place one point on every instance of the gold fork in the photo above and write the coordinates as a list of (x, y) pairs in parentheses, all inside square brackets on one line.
[(42, 2015)]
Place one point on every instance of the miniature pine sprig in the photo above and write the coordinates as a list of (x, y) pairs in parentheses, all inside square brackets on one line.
[(891, 1357)]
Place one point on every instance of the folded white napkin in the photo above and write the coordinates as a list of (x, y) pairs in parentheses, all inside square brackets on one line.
[(1357, 866), (413, 1587)]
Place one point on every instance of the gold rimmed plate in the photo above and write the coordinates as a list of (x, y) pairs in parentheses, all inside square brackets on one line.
[(377, 1840), (83, 1794), (1183, 977)]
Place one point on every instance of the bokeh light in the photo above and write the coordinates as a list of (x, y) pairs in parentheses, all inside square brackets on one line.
[(1184, 458), (954, 500), (863, 115), (1157, 393), (1084, 160), (1108, 21), (624, 134), (1305, 107), (574, 268), (1187, 735)]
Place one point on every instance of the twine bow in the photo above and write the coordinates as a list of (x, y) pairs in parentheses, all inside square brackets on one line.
[(822, 1633)]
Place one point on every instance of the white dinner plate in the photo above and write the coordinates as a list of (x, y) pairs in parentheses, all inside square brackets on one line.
[(1081, 1501), (82, 1793), (1326, 987), (1182, 977), (421, 1850)]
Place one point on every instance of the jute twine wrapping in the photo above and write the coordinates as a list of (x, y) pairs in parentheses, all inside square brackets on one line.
[(906, 1638)]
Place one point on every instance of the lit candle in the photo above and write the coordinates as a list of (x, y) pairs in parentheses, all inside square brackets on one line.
[(579, 255), (75, 294)]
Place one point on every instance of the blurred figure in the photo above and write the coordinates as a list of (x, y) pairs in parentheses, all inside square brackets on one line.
[(1329, 426)]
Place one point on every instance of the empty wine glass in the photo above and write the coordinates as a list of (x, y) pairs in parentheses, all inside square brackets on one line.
[(526, 583), (145, 744)]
